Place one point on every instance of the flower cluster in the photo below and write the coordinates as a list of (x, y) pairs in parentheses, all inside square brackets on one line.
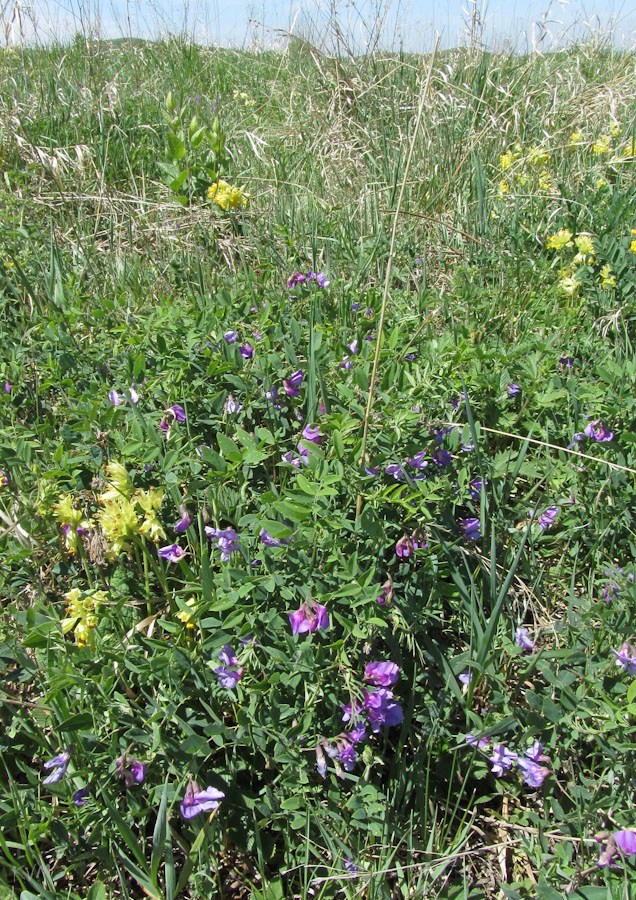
[(531, 763), (82, 615), (318, 278), (133, 771), (227, 541), (229, 673), (227, 196), (309, 618)]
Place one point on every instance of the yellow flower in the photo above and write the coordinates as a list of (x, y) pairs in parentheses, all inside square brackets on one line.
[(150, 502), (504, 188), (119, 484), (72, 522), (602, 145), (227, 196), (576, 138), (561, 238), (188, 618), (632, 246), (82, 614), (546, 183), (569, 285), (584, 243), (538, 156), (608, 279), (506, 159), (629, 150), (119, 523)]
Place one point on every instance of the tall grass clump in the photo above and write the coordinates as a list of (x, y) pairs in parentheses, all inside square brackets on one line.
[(317, 473)]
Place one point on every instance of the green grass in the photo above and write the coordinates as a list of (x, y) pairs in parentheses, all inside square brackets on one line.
[(117, 273)]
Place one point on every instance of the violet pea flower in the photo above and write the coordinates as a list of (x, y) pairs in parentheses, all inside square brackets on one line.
[(309, 618), (620, 842), (626, 658), (471, 528), (312, 433), (172, 553), (132, 771), (501, 759), (197, 801), (184, 522), (80, 797), (231, 337), (382, 674), (293, 384), (533, 774), (382, 708), (513, 389), (59, 764), (246, 350), (523, 639), (598, 432)]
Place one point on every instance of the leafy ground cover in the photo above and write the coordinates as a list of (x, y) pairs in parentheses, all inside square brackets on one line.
[(317, 473)]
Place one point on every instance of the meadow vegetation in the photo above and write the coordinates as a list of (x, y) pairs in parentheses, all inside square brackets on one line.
[(317, 452)]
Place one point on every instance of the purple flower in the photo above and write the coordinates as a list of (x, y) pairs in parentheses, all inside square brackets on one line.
[(442, 457), (372, 470), (295, 279), (184, 522), (321, 280), (418, 461), (475, 488), (382, 674), (619, 842), (347, 754), (231, 337), (386, 597), (471, 528), (523, 639), (456, 401), (349, 865), (80, 797), (598, 432), (247, 351), (473, 741), (355, 306), (501, 759), (269, 541), (407, 545), (396, 470), (410, 357), (533, 774), (610, 592), (226, 540), (513, 389), (272, 393), (353, 346), (134, 396), (351, 711), (59, 764), (232, 406), (172, 553), (228, 677), (465, 678), (535, 752), (358, 733), (382, 708), (115, 398), (293, 383), (131, 770), (175, 413), (321, 761), (312, 434), (229, 674), (8, 387), (567, 362), (309, 618), (626, 658), (196, 801), (547, 518)]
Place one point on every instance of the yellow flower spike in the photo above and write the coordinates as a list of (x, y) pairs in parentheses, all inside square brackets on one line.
[(504, 188), (560, 239), (602, 145), (119, 523), (188, 618), (576, 138), (584, 243), (632, 246), (227, 196), (608, 279), (538, 156), (119, 484)]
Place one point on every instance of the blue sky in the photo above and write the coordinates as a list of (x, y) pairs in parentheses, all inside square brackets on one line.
[(411, 24)]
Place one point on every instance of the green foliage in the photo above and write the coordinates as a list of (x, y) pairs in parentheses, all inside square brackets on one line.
[(151, 353), (196, 155)]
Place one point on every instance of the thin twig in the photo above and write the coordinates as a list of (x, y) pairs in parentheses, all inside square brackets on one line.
[(389, 266)]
